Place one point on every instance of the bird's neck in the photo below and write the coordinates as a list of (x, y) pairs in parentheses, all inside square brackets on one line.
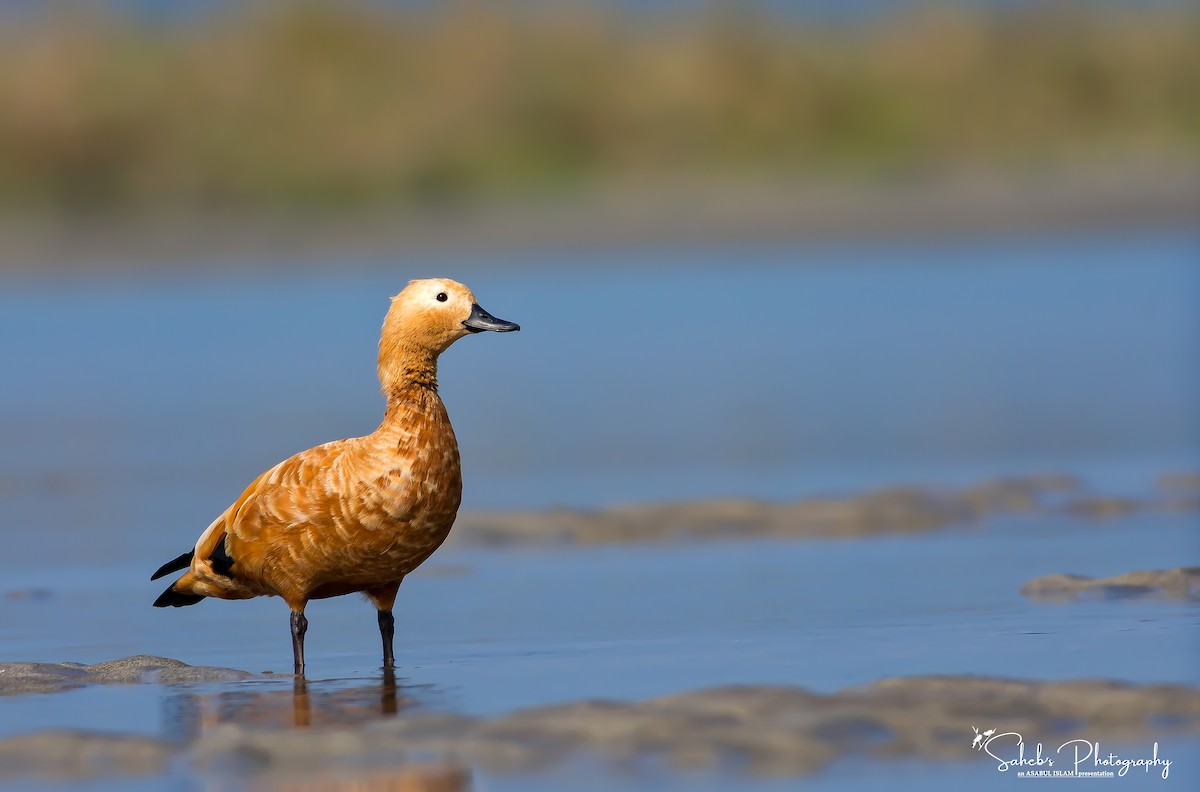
[(410, 385), (415, 414), (402, 373)]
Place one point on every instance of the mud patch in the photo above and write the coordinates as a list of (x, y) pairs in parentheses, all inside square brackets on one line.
[(1179, 583), (896, 510), (775, 730), (52, 677), (69, 754)]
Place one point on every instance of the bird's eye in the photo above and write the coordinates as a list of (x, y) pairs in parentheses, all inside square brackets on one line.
[(441, 297)]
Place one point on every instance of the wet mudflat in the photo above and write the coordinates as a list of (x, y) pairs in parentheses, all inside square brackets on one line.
[(653, 606), (512, 663)]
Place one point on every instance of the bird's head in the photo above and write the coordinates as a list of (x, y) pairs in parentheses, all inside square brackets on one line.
[(425, 319)]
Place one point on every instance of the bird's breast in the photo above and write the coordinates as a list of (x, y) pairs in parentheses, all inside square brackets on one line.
[(412, 493)]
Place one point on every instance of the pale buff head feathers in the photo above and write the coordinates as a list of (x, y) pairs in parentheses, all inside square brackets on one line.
[(424, 320)]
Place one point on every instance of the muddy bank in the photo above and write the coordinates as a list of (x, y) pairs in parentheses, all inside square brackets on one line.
[(52, 677), (1180, 482), (764, 729), (1179, 583), (70, 754), (760, 729), (889, 511)]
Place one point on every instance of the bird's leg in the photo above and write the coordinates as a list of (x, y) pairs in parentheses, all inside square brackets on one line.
[(387, 631), (383, 599), (299, 627)]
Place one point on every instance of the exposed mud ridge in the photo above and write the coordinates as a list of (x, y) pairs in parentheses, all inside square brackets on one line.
[(72, 754), (887, 511), (52, 677), (776, 730), (1179, 583)]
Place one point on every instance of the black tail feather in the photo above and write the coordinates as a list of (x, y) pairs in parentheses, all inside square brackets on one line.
[(176, 599), (174, 565), (222, 563)]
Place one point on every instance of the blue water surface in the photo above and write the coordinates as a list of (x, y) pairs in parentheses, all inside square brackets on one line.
[(134, 409)]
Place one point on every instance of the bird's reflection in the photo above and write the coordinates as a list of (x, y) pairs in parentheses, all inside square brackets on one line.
[(299, 704), (302, 702)]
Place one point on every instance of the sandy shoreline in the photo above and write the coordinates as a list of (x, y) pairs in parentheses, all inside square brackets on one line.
[(686, 215), (895, 510), (758, 729), (1182, 583)]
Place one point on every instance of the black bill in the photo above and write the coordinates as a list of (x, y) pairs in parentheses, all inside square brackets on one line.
[(481, 320)]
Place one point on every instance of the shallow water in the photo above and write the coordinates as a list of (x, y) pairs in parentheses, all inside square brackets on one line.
[(513, 629), (141, 408), (504, 630), (662, 374)]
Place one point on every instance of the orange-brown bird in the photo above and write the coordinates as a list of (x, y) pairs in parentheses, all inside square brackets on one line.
[(358, 514)]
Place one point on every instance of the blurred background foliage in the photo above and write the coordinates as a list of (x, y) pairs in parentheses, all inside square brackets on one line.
[(319, 106)]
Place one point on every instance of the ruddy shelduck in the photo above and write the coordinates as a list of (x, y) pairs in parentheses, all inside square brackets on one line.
[(353, 515)]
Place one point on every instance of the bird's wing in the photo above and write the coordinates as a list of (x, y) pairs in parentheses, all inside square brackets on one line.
[(213, 534), (212, 541), (281, 496), (303, 490)]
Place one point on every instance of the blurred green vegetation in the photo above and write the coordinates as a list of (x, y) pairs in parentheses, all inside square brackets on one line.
[(312, 105)]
